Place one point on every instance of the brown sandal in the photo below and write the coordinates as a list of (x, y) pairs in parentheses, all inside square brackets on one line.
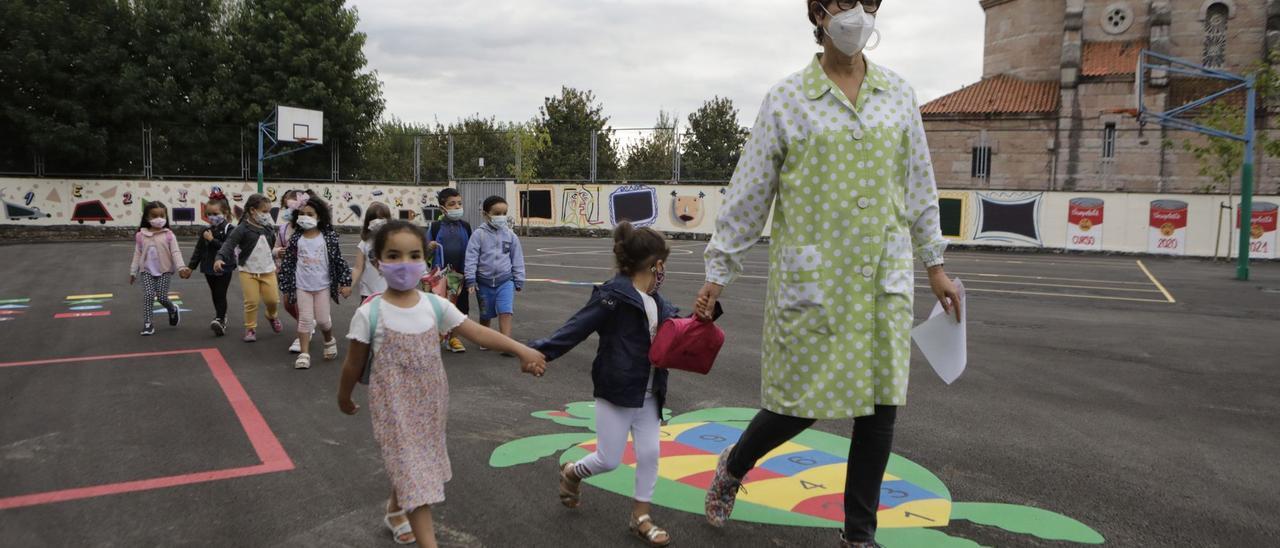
[(654, 536), (570, 490)]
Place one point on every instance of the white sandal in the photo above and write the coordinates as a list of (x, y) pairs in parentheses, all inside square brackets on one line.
[(398, 531), (654, 532), (303, 361), (331, 349)]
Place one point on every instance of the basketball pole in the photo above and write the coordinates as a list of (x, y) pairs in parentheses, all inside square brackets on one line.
[(1246, 181), (267, 129)]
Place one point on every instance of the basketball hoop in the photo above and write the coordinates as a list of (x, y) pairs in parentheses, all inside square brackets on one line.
[(303, 140)]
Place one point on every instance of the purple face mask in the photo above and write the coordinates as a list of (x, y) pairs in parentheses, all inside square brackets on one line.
[(403, 276)]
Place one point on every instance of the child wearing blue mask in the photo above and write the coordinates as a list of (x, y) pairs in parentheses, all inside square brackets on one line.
[(495, 266)]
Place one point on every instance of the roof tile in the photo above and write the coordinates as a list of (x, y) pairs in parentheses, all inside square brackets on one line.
[(998, 95), (1111, 58)]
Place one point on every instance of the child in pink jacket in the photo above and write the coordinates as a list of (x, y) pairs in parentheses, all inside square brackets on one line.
[(155, 258)]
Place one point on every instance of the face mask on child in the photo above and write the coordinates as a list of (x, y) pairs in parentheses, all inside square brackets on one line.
[(659, 276), (403, 276), (376, 225), (453, 214), (307, 222), (264, 219), (499, 221), (216, 219), (157, 222)]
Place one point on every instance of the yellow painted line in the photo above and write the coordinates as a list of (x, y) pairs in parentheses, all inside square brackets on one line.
[(1056, 285), (1067, 295), (82, 297), (1086, 280), (1159, 285)]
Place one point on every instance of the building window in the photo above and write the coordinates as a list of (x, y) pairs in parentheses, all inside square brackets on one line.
[(980, 164), (1109, 142), (1215, 35)]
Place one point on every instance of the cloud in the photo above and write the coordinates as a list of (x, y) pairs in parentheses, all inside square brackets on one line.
[(445, 60)]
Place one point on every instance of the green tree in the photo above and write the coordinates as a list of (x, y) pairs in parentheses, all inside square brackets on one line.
[(1221, 159), (61, 87), (478, 140), (308, 54), (713, 143), (650, 158), (569, 120)]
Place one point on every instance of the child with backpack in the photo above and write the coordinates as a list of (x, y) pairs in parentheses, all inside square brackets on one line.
[(453, 235)]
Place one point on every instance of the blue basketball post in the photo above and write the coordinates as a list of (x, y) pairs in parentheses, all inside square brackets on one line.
[(267, 128), (1171, 118)]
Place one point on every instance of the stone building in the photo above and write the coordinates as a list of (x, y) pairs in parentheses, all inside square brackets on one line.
[(1055, 72)]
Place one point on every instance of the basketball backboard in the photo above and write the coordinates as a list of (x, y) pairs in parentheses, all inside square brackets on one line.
[(299, 125)]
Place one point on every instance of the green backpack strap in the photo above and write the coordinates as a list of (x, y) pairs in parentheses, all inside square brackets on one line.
[(375, 304), (435, 305)]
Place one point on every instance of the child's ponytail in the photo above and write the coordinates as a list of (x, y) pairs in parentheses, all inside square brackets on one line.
[(636, 249)]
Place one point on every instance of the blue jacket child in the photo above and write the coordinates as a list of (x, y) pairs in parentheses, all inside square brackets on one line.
[(621, 370)]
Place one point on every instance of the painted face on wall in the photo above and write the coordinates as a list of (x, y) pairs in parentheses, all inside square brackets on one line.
[(687, 210)]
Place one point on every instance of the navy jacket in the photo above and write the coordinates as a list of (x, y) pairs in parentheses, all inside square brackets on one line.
[(206, 252), (621, 369)]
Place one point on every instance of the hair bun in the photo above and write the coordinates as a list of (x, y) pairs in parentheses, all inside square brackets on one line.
[(623, 232)]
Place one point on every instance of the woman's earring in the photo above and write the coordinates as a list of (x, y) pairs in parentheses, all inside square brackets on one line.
[(876, 32)]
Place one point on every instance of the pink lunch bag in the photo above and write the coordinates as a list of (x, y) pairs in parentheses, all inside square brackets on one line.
[(687, 344)]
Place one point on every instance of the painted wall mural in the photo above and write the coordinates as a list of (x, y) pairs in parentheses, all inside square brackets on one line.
[(635, 203), (688, 211), (1182, 224), (1009, 217), (1084, 223), (580, 206)]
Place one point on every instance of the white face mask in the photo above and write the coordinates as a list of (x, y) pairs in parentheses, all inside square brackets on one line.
[(307, 222), (498, 220), (264, 219), (376, 225), (453, 214), (850, 29)]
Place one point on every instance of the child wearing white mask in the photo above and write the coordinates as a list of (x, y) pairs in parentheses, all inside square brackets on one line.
[(312, 273), (249, 248), (453, 234), (366, 278), (495, 266)]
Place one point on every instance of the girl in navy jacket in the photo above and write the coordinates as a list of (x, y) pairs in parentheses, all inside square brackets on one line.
[(629, 391)]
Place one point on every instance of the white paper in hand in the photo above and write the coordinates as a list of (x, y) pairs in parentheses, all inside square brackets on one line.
[(943, 341)]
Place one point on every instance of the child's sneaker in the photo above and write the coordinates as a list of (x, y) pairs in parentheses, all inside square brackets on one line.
[(174, 315), (296, 347), (846, 543), (303, 362), (722, 493), (455, 346), (148, 329), (219, 328), (276, 325), (250, 335)]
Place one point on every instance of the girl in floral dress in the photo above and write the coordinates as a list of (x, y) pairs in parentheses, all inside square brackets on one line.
[(408, 389)]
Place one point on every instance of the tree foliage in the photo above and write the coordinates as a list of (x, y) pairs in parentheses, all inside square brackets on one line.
[(713, 142)]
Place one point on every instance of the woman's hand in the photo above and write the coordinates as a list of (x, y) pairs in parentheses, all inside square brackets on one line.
[(945, 291), (347, 406), (705, 306)]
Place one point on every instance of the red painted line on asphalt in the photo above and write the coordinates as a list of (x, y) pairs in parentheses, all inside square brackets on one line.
[(265, 443)]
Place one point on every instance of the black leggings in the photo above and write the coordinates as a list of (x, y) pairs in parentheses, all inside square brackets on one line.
[(868, 457), (218, 286)]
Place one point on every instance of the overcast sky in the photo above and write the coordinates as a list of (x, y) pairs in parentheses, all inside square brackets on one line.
[(448, 59)]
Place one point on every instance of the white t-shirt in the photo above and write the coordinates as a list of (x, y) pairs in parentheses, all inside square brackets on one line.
[(260, 261), (651, 311), (419, 319), (371, 281), (313, 264)]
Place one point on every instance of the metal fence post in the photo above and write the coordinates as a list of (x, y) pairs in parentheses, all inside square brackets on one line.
[(594, 134), (451, 157), (417, 159), (335, 162), (675, 152)]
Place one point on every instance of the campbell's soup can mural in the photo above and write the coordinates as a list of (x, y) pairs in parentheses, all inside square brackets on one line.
[(1084, 223), (1168, 232), (1262, 231)]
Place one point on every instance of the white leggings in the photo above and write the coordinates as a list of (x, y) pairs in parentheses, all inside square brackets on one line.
[(613, 423)]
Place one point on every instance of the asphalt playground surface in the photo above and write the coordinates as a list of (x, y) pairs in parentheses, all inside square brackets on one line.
[(1138, 395)]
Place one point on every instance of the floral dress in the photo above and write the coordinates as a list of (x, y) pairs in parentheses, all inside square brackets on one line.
[(409, 403), (853, 197)]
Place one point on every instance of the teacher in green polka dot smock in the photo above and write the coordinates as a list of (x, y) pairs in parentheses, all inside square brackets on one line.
[(838, 154)]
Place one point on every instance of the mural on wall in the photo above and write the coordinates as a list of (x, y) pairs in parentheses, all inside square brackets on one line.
[(580, 206), (92, 210), (801, 484), (688, 211), (956, 214), (1167, 233), (1262, 230), (635, 203), (1011, 217), (1084, 224), (537, 204)]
